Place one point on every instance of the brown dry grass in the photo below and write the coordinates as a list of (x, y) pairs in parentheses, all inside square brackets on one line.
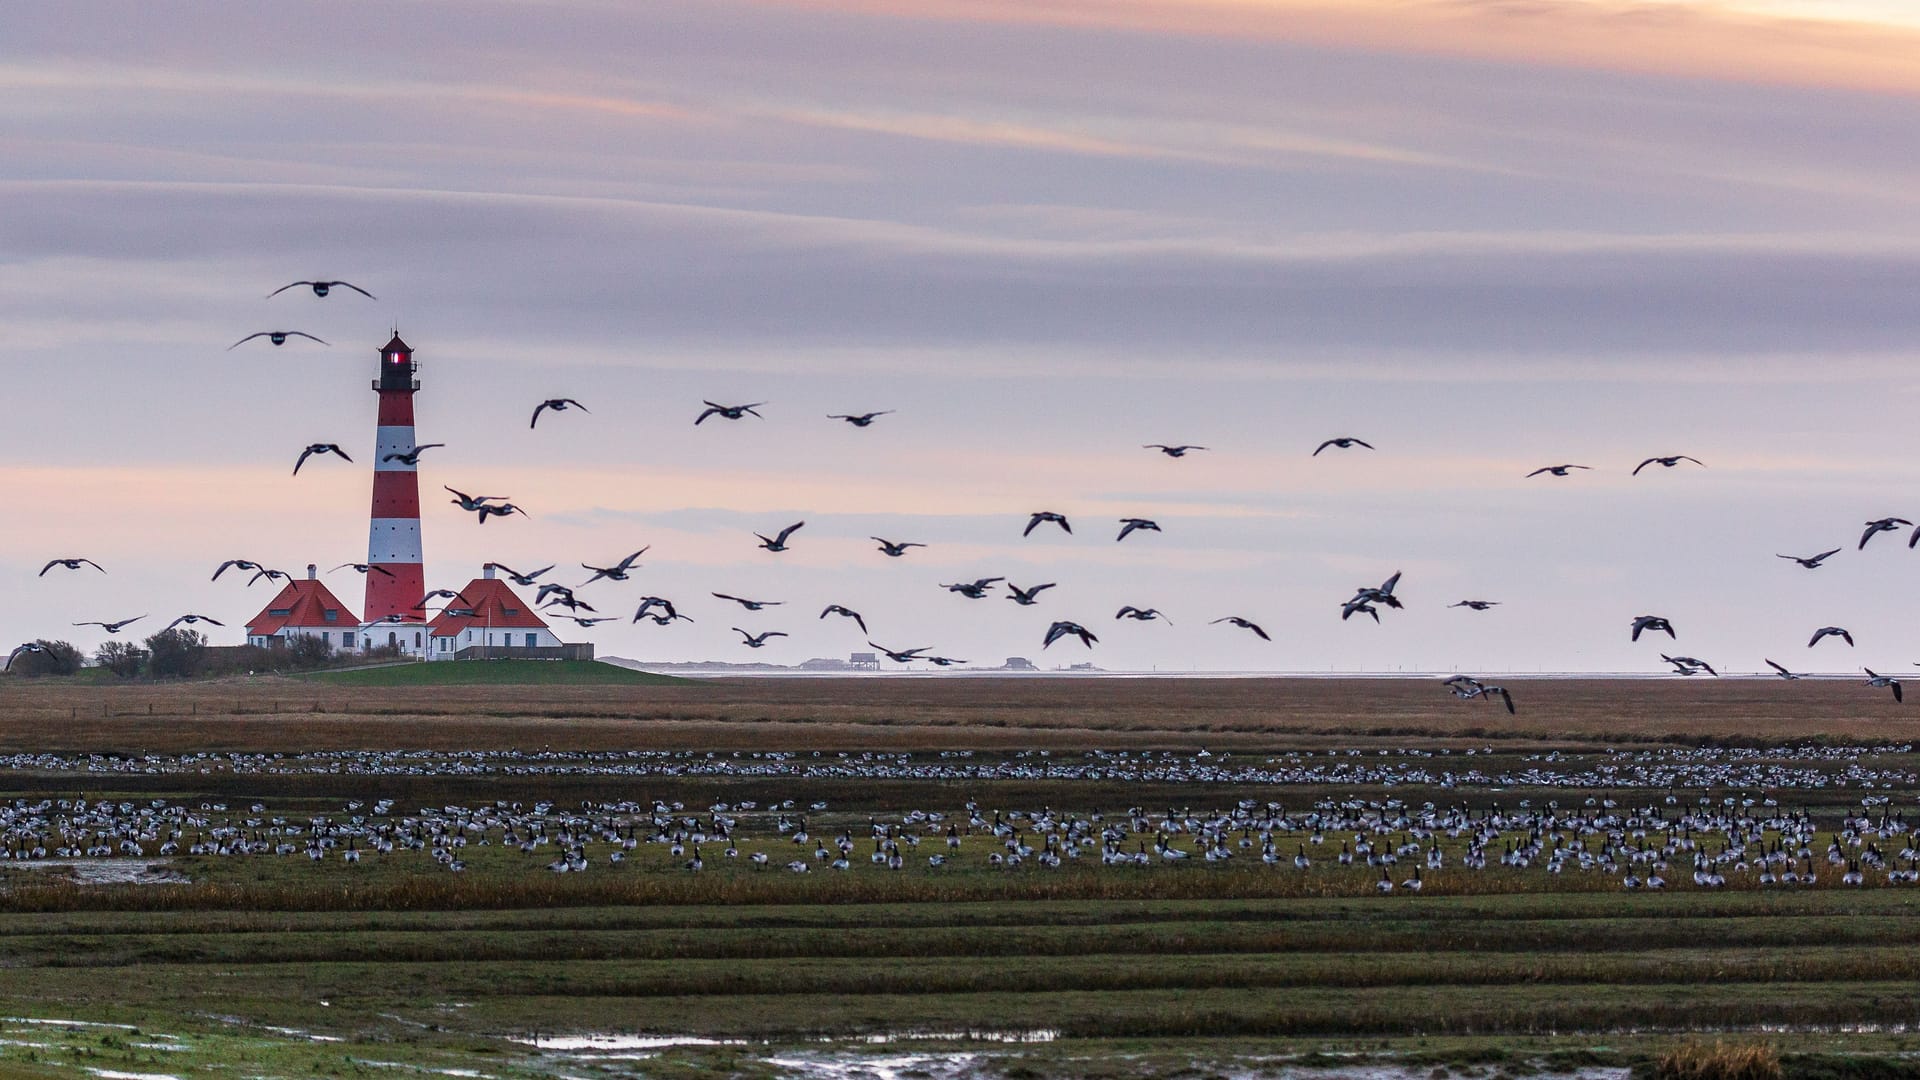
[(930, 714), (1718, 1060)]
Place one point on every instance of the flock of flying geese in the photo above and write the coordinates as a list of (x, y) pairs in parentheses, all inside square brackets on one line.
[(1366, 600)]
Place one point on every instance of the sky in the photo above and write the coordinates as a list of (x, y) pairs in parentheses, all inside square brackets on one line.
[(1483, 235)]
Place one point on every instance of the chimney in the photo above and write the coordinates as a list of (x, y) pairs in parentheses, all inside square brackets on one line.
[(488, 571), (313, 572)]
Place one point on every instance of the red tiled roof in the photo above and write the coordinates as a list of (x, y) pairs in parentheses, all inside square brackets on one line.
[(302, 602), (493, 605)]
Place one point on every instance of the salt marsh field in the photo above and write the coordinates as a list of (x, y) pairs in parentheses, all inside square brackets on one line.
[(984, 878)]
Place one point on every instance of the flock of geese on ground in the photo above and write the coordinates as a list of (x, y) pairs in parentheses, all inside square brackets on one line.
[(561, 600), (1824, 771), (1741, 844)]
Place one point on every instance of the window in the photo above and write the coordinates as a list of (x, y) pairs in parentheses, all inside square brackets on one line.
[(511, 610), (533, 640), (332, 614), (279, 612), (346, 639), (416, 639)]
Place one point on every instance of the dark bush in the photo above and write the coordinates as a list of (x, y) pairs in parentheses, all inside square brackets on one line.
[(177, 654), (54, 658), (123, 658)]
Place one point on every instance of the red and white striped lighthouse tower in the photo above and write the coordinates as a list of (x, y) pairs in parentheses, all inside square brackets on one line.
[(393, 541)]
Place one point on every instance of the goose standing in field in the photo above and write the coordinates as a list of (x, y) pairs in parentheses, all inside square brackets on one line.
[(975, 591), (1172, 451), (727, 412), (319, 448), (558, 404), (1027, 597), (1668, 462), (113, 627), (1783, 672), (1064, 628), (619, 571), (77, 563), (893, 550), (778, 543), (1134, 524), (858, 419), (836, 609), (1829, 631), (321, 289), (1555, 470), (1652, 623), (1880, 525), (1811, 562), (1886, 681), (278, 337), (1341, 443), (1244, 624)]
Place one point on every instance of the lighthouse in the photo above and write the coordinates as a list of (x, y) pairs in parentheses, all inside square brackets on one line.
[(396, 579)]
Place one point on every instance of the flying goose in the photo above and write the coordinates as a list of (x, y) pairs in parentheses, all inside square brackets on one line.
[(1129, 525), (1687, 665), (778, 543), (1342, 443), (411, 457), (518, 578), (750, 605), (1556, 470), (191, 619), (892, 549), (836, 609), (270, 574), (237, 564), (321, 289), (1476, 605), (755, 641), (975, 591), (648, 603), (728, 412), (1811, 562), (1784, 673), (1244, 624), (558, 404), (1046, 515), (619, 571), (1063, 628), (503, 510), (1874, 679), (1654, 623), (1141, 614), (1830, 631), (319, 448), (1880, 525), (1172, 451), (77, 563), (900, 656), (471, 502), (856, 419), (1668, 462), (278, 337), (362, 568), (22, 650), (113, 627), (1027, 597)]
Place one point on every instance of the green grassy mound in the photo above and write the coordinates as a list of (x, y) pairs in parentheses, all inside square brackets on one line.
[(496, 673)]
